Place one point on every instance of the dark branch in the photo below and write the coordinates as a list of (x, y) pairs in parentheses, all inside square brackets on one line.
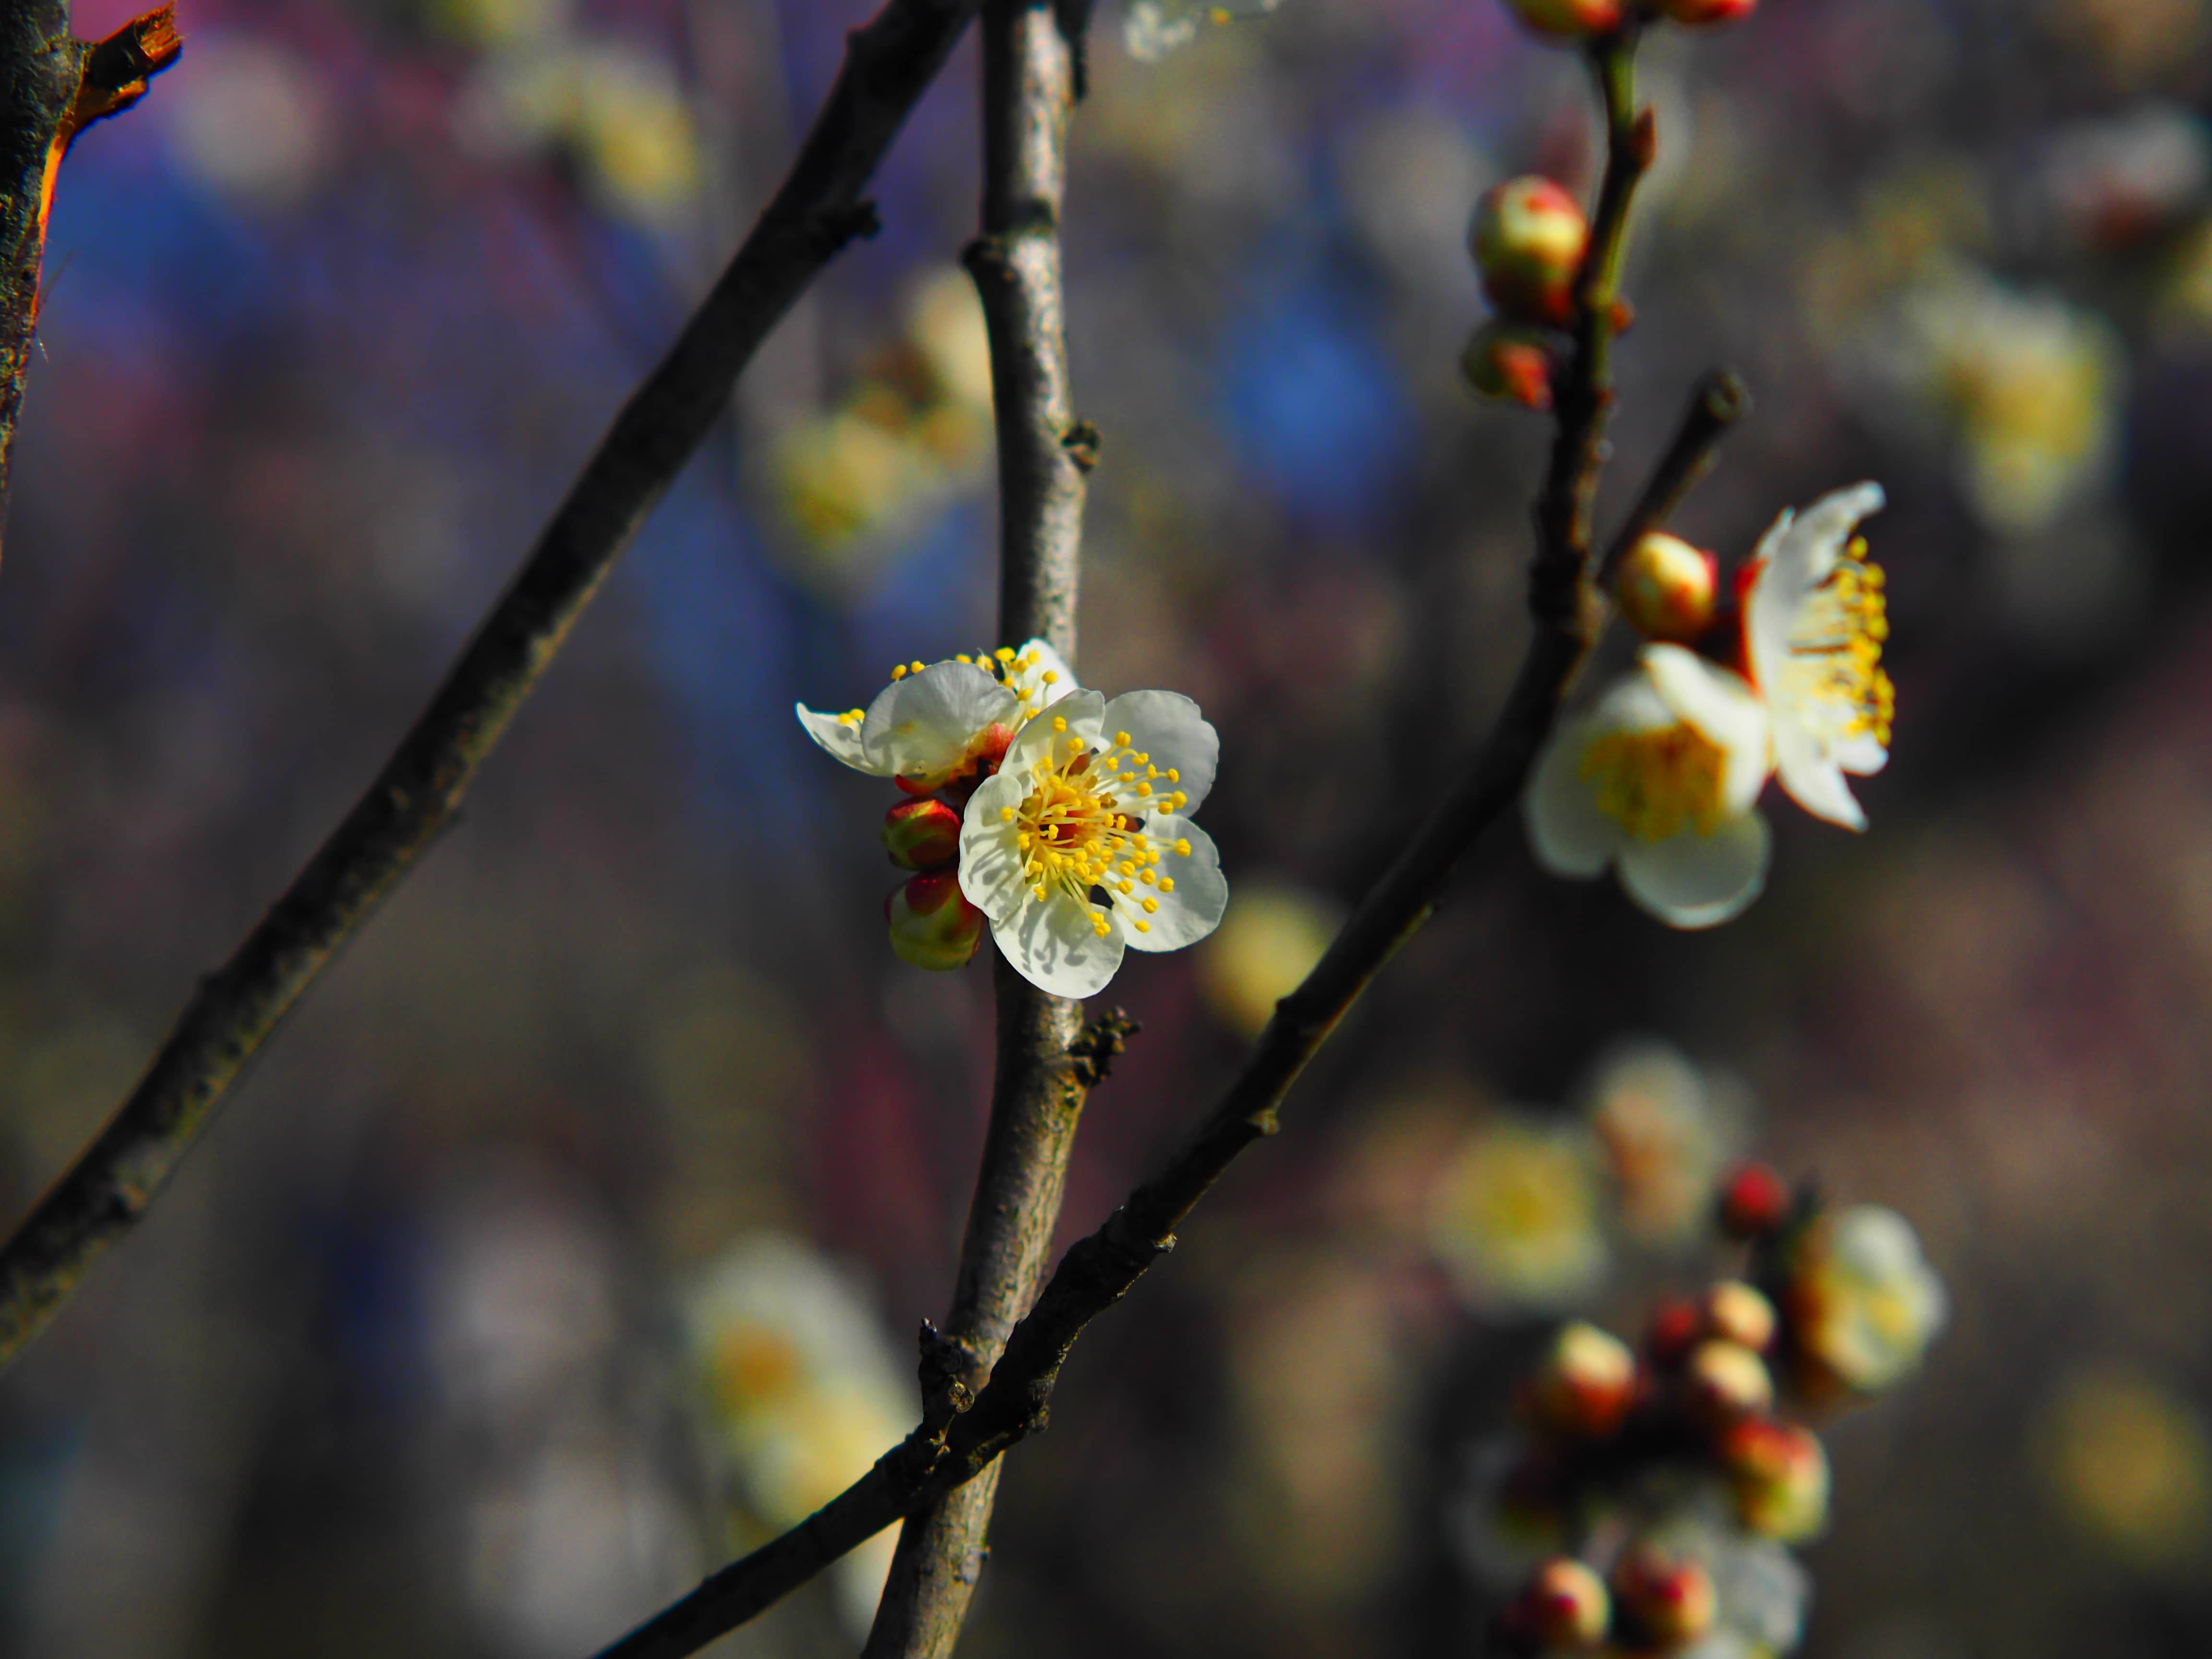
[(1100, 1269), (1720, 401), (819, 209), (1029, 72)]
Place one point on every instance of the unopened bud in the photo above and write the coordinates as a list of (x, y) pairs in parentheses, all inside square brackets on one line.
[(1734, 1312), (1667, 587), (1755, 1202), (1563, 1608), (1780, 1474), (1571, 19), (933, 924), (1584, 1385), (1674, 1331), (1504, 360), (1697, 13), (1527, 240), (1669, 1599), (1724, 1381), (922, 835)]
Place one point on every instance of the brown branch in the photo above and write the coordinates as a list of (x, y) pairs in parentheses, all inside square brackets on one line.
[(953, 1449), (52, 88), (1044, 456), (819, 209)]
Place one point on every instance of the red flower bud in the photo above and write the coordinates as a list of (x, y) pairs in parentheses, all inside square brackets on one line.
[(1754, 1203), (922, 835), (1570, 19), (1674, 1331), (1563, 1608), (1668, 1600), (1512, 362), (1780, 1474), (1666, 588), (1584, 1385), (1734, 1312), (1527, 240), (1725, 1381), (1697, 13), (933, 924)]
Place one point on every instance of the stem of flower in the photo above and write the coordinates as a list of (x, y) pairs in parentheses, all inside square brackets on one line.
[(1030, 68)]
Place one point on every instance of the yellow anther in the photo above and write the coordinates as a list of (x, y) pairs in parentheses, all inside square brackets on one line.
[(964, 657), (1150, 905), (898, 670), (1143, 789), (1006, 816), (1179, 799), (1075, 745), (1059, 723), (1144, 927), (1037, 893), (1128, 867), (1657, 783), (1121, 740), (1167, 883), (1125, 887), (1051, 677), (914, 668), (1003, 653), (1183, 847), (1174, 776), (1145, 877)]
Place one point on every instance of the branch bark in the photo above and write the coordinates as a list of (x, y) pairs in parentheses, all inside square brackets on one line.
[(52, 88), (951, 1450), (1030, 68), (819, 209)]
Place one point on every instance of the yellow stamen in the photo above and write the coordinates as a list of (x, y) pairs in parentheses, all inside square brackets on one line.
[(1658, 782)]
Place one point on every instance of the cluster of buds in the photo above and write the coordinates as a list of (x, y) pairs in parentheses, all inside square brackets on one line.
[(1594, 19), (932, 925), (1528, 241), (1649, 1503)]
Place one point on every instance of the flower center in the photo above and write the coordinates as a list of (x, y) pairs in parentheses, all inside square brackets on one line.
[(1656, 781), (1836, 649), (1075, 837)]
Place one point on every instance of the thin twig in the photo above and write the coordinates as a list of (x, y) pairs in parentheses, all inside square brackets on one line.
[(1720, 401), (1029, 96), (52, 88), (820, 209), (1098, 1270)]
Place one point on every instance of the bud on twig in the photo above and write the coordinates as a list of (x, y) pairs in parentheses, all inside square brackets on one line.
[(1584, 1385), (1780, 1474), (1511, 362), (1569, 19), (933, 924), (1669, 1600), (1696, 14), (922, 835), (1529, 239), (1666, 588), (1563, 1608), (1755, 1202), (1725, 1381), (1734, 1312)]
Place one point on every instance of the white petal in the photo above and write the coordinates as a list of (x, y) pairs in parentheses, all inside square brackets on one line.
[(1860, 753), (991, 863), (1722, 706), (1201, 893), (1055, 947), (840, 738), (1812, 778), (1167, 726), (1568, 834), (1038, 739), (1692, 881), (1795, 556), (1040, 675), (923, 729)]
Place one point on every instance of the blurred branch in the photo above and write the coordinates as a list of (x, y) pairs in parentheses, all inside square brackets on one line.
[(52, 88), (1720, 401), (819, 209), (1029, 68), (951, 1450)]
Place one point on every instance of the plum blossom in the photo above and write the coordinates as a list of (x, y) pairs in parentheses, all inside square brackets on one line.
[(1813, 623), (1152, 28), (940, 722), (1082, 846), (1865, 1302), (1661, 779)]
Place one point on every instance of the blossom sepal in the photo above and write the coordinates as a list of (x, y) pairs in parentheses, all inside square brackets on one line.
[(1513, 362)]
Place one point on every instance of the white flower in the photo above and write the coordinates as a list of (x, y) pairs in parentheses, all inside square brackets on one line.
[(1661, 779), (1153, 28), (1515, 1218), (1095, 800), (1865, 1302), (1813, 623), (932, 724)]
